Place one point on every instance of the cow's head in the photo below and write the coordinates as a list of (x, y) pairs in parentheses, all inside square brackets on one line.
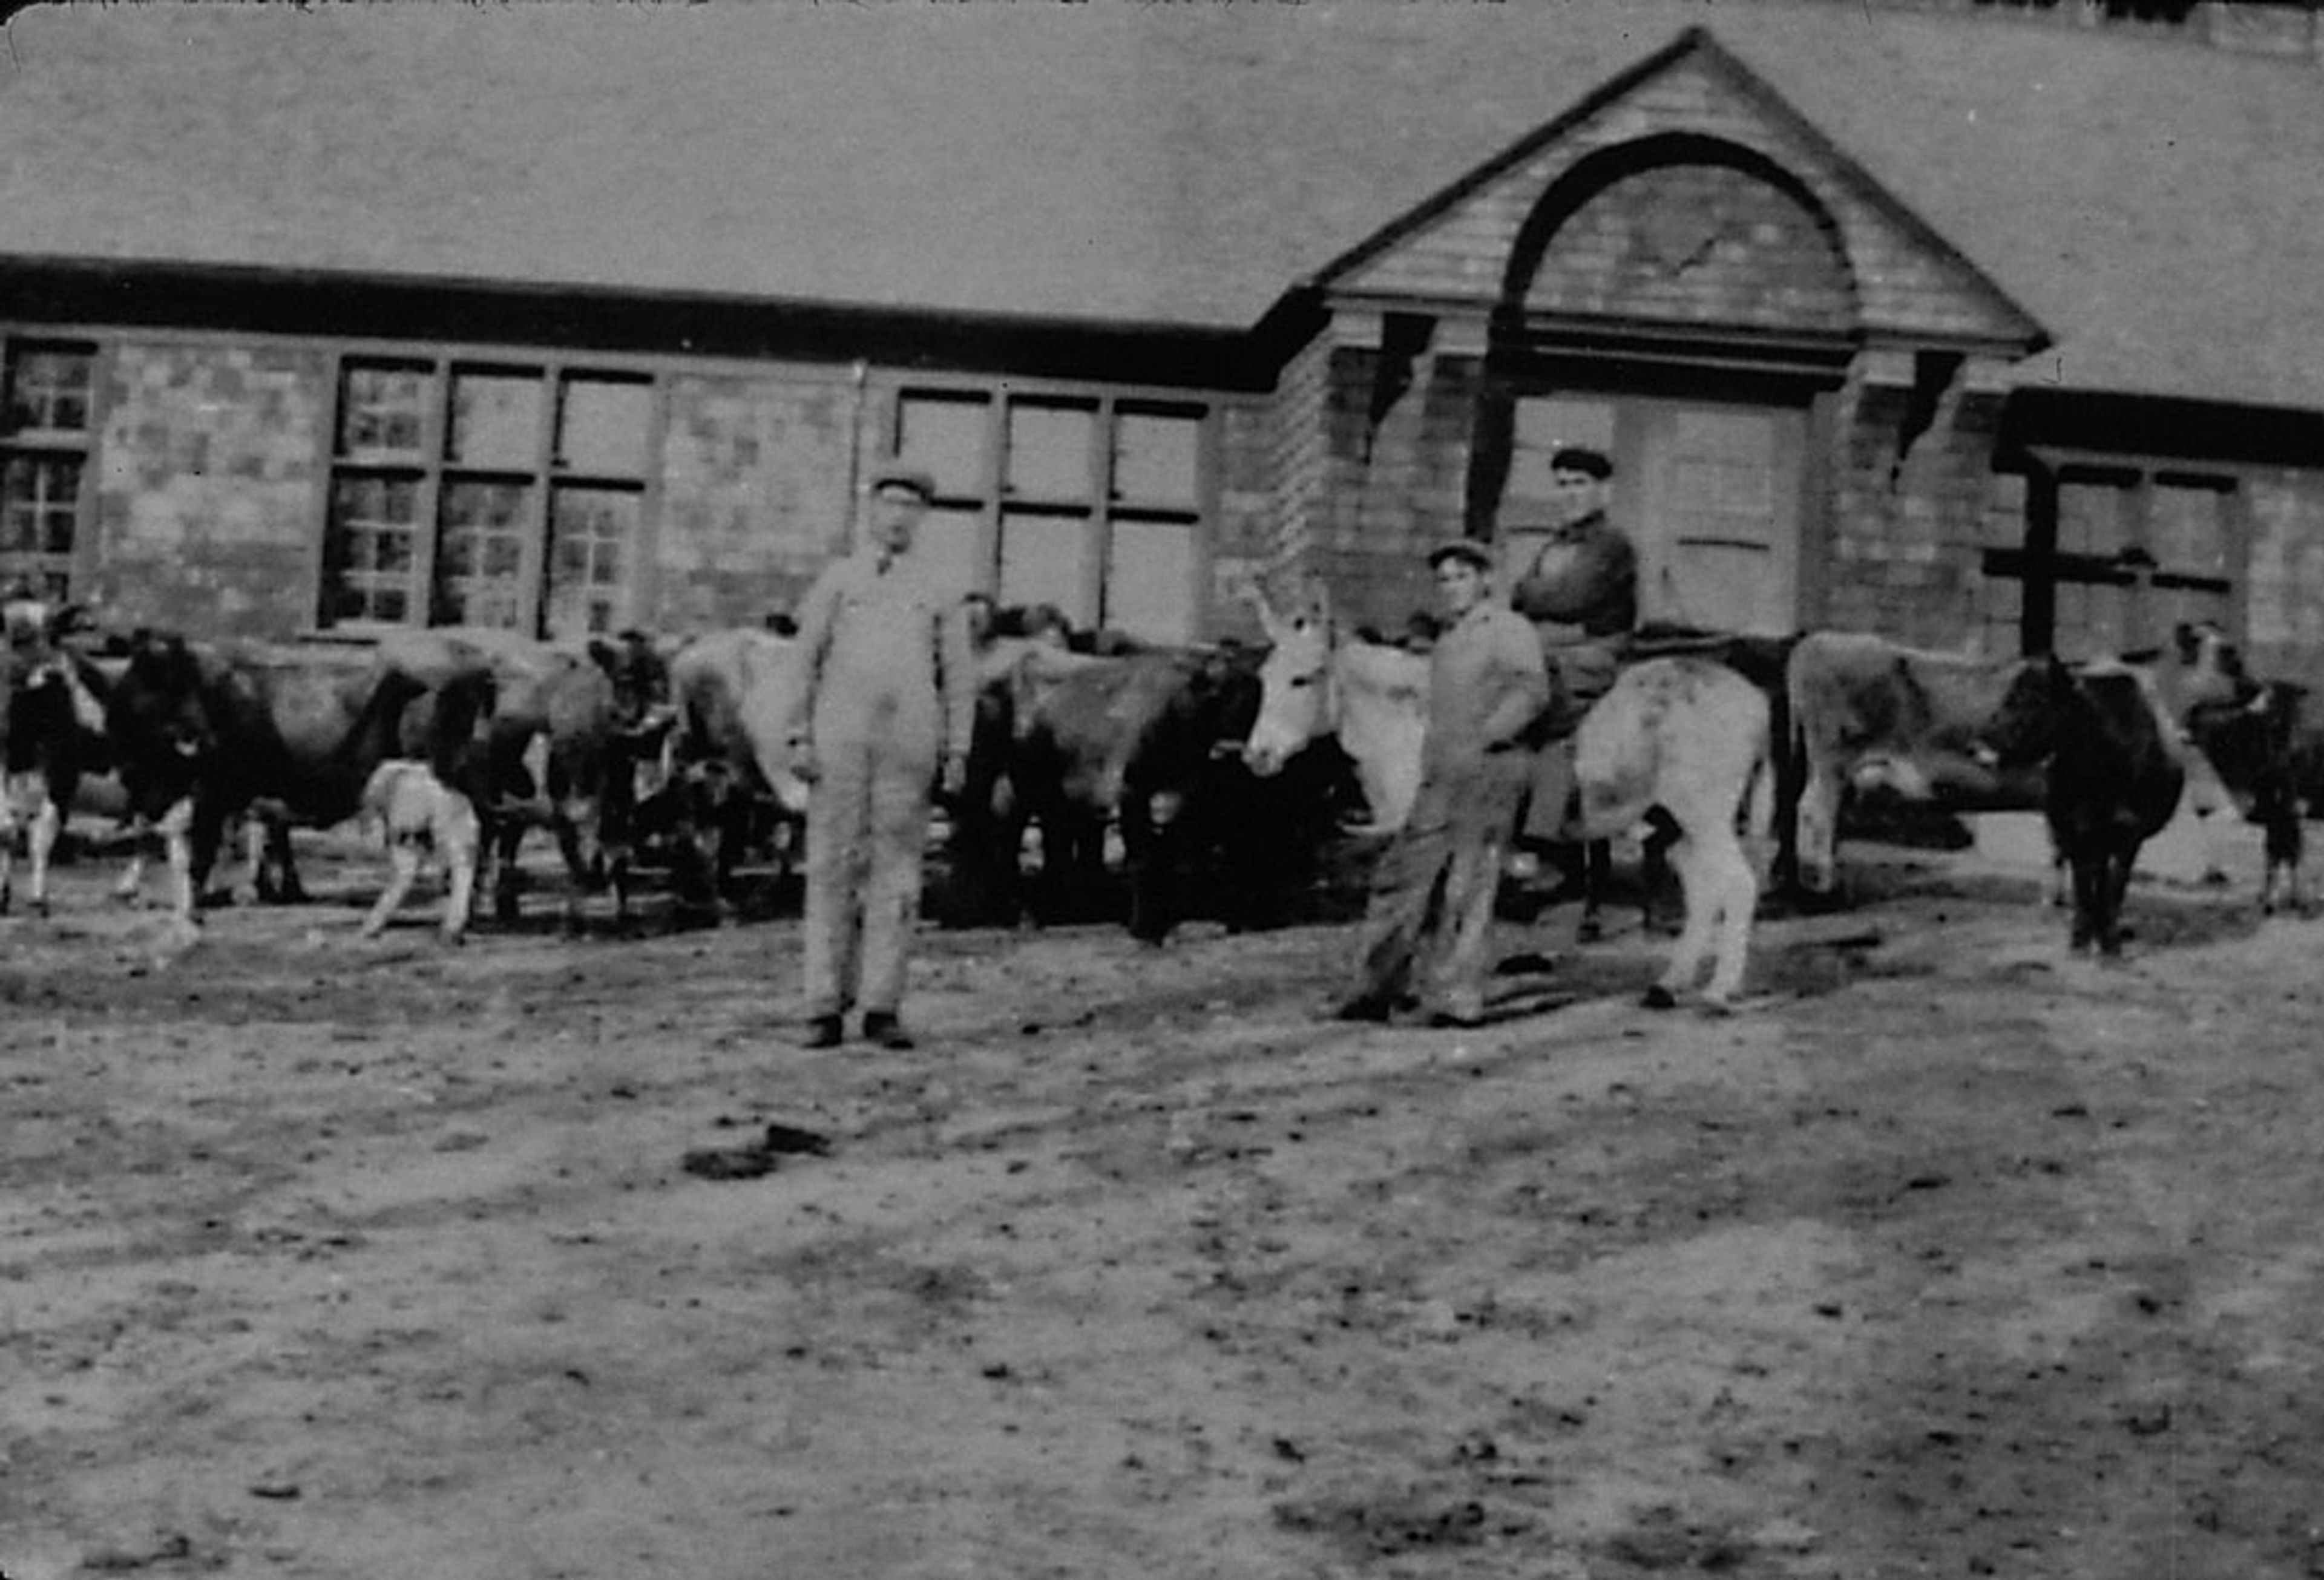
[(1296, 702), (2025, 727), (641, 677), (158, 721)]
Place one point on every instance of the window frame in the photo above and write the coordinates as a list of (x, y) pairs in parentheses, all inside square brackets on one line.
[(79, 445), (546, 471), (2039, 567), (990, 500)]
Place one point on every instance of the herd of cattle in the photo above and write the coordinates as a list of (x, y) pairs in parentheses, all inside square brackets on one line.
[(1222, 771)]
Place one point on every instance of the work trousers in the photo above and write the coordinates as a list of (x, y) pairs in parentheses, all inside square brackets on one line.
[(867, 824), (1580, 672), (1429, 919)]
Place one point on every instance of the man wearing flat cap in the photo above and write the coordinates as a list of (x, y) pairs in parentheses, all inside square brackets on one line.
[(882, 708), (1428, 926), (1582, 593)]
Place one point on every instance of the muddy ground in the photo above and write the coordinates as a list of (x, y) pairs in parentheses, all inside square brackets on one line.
[(1953, 1255)]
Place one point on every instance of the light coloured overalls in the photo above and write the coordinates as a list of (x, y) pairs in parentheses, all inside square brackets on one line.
[(886, 692)]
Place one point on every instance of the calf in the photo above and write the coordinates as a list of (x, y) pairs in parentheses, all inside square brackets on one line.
[(425, 807), (2112, 778)]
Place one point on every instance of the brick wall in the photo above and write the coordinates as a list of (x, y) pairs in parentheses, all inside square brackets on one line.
[(2284, 607), (755, 492), (1244, 538), (1911, 507), (207, 494)]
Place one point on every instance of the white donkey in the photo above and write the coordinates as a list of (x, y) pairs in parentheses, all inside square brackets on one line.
[(1687, 735)]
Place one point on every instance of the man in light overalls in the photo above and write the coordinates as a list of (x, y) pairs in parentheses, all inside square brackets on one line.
[(1428, 924), (883, 711)]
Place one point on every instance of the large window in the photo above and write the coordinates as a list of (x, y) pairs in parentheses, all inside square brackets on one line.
[(44, 443), (477, 493), (2112, 555), (1093, 503)]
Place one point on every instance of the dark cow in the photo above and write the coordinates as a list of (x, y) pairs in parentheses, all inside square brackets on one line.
[(2266, 753), (2111, 775), (1150, 740), (203, 733), (52, 734)]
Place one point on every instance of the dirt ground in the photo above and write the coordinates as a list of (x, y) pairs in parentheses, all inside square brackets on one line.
[(1951, 1256)]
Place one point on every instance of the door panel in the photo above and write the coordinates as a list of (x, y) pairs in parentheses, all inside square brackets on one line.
[(1716, 516)]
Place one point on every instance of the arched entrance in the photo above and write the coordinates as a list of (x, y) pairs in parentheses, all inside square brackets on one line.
[(1685, 305)]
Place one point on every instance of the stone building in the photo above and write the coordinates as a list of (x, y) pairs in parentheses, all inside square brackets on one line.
[(1959, 322)]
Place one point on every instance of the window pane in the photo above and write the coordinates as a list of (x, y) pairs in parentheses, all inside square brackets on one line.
[(1045, 560), (944, 436), (945, 550), (1154, 458), (48, 387), (1049, 450), (368, 548), (495, 420), (480, 553), (590, 531), (1149, 580), (381, 406), (602, 426)]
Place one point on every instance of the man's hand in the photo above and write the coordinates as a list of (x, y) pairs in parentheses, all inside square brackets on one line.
[(803, 763)]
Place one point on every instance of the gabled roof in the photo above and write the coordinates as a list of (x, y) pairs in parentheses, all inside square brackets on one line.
[(2152, 202)]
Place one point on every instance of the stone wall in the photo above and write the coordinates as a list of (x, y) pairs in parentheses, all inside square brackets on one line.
[(209, 494)]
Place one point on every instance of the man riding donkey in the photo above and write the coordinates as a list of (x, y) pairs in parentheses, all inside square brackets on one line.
[(1582, 593)]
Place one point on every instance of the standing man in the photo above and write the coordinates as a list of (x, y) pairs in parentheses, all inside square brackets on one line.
[(1431, 912), (1582, 593), (883, 711)]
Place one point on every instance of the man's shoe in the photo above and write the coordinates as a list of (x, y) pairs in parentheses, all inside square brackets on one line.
[(1364, 1006), (881, 1028), (822, 1032), (1446, 1020)]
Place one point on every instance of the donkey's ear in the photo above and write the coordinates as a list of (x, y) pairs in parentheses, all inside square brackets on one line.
[(1253, 592)]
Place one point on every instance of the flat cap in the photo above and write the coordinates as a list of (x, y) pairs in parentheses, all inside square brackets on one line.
[(1462, 548), (899, 474), (1581, 458)]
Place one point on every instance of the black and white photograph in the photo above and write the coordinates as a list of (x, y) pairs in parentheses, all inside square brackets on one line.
[(1161, 789)]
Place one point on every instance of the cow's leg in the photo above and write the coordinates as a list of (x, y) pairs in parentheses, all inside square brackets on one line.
[(2089, 886), (458, 845), (501, 848), (1150, 842), (7, 848), (190, 839), (39, 845), (1595, 858), (1816, 827), (403, 867)]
